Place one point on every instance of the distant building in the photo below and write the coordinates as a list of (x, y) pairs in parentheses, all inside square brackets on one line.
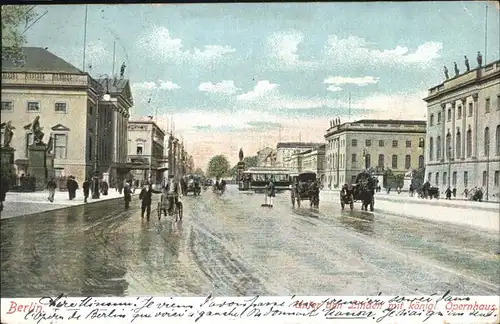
[(463, 120), (370, 143), (266, 157), (285, 150), (309, 160), (66, 99), (146, 151)]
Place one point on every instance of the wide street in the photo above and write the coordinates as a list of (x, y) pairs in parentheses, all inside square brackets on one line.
[(230, 245)]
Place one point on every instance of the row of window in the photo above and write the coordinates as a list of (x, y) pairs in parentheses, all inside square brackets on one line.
[(470, 112), (381, 161), (381, 143), (34, 106), (496, 178), (468, 144), (60, 145)]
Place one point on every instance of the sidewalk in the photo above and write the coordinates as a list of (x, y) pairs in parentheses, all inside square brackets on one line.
[(462, 213), (25, 203), (454, 202)]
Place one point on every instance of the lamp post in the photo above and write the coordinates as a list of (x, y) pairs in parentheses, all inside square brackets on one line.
[(104, 94), (487, 168), (449, 165)]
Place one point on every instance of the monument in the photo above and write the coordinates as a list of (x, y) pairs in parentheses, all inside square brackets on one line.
[(239, 171), (41, 161), (7, 152)]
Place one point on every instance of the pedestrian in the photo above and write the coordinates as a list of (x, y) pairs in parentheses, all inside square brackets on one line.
[(146, 196), (86, 189), (51, 186), (4, 188), (454, 192), (448, 193), (270, 193), (104, 188), (72, 186), (127, 195)]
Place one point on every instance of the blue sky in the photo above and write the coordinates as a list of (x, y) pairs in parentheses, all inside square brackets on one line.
[(246, 75)]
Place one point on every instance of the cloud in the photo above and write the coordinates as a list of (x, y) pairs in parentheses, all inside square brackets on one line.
[(333, 88), (283, 48), (149, 85), (360, 81), (169, 85), (224, 87), (161, 45), (262, 89), (357, 50)]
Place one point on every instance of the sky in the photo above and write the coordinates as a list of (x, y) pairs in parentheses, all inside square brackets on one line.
[(247, 76)]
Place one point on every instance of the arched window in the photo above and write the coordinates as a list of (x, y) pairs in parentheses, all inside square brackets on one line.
[(448, 146), (394, 161), (468, 141), (368, 161), (438, 148), (431, 120), (458, 144), (497, 140), (381, 159), (431, 149), (420, 161), (487, 141), (407, 161)]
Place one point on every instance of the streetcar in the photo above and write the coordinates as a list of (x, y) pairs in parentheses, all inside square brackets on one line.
[(257, 178)]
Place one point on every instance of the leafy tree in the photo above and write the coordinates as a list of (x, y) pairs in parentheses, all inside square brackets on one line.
[(418, 176), (15, 20), (218, 166)]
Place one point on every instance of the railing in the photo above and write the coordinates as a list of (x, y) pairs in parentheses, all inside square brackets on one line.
[(44, 78)]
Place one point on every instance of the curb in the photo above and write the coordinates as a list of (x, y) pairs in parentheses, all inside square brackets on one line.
[(439, 204)]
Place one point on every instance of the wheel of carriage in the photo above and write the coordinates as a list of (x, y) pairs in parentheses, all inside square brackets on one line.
[(158, 209), (293, 202), (179, 212), (351, 205), (372, 205)]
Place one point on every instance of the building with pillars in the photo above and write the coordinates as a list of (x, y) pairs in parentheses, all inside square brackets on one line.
[(284, 150), (146, 150), (353, 147), (66, 99), (463, 132), (308, 160)]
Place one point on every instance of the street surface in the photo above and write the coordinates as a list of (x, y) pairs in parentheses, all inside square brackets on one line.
[(229, 245)]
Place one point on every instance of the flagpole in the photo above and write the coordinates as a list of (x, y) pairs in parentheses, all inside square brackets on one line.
[(85, 36), (114, 58), (486, 35), (349, 106)]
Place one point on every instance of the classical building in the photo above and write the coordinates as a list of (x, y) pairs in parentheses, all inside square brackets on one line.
[(370, 143), (463, 121), (66, 99), (308, 160), (285, 150), (146, 150)]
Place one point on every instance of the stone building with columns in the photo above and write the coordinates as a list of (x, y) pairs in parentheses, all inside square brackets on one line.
[(67, 101), (463, 131)]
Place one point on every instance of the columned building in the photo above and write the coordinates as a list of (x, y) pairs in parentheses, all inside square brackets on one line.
[(309, 160), (463, 133), (366, 144), (284, 150), (66, 99), (146, 151)]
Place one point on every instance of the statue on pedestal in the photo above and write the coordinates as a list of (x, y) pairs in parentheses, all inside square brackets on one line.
[(8, 133), (50, 144), (467, 66), (457, 71), (479, 59), (122, 70), (241, 155), (446, 73), (36, 130)]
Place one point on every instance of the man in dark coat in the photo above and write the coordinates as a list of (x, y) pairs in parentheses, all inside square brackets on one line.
[(127, 195), (146, 196), (72, 186), (86, 189)]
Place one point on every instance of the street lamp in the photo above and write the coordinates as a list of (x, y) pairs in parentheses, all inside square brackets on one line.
[(487, 167), (104, 94)]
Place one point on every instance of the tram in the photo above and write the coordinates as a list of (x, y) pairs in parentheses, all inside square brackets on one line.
[(257, 178)]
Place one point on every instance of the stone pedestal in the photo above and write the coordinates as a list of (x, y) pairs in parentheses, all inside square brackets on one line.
[(37, 165), (49, 165), (7, 160)]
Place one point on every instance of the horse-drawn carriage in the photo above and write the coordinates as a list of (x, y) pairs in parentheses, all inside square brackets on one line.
[(363, 190), (305, 187), (193, 185)]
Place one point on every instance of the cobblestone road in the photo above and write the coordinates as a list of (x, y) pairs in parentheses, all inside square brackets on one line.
[(229, 245)]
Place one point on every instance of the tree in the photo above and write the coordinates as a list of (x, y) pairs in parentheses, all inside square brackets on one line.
[(15, 21), (218, 166), (418, 176)]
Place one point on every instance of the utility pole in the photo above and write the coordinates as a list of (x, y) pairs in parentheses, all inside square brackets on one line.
[(85, 36)]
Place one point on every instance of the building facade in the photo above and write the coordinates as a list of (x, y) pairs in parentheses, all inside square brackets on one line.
[(285, 150), (66, 99), (266, 157), (146, 151), (463, 133), (353, 147), (308, 160)]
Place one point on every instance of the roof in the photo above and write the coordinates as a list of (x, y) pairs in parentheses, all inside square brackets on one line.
[(297, 145), (40, 60), (390, 121), (115, 85)]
